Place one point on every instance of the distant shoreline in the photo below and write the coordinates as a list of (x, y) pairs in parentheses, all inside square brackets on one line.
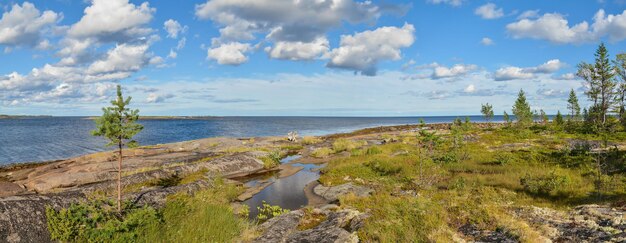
[(22, 116)]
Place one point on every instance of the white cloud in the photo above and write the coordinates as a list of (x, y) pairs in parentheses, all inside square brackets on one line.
[(122, 58), (107, 20), (230, 54), (158, 98), (454, 71), (566, 76), (487, 41), (173, 28), (555, 28), (455, 3), (470, 89), (25, 24), (362, 51), (529, 14), (511, 73), (489, 11), (181, 43), (297, 50), (296, 29)]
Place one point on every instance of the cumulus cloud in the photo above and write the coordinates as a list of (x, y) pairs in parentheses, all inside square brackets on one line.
[(230, 54), (489, 11), (296, 29), (362, 51), (566, 76), (455, 3), (297, 50), (454, 71), (555, 28), (173, 28), (25, 24), (511, 73), (85, 69), (117, 20), (487, 41)]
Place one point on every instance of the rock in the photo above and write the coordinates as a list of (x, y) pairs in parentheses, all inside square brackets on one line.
[(8, 188), (340, 226), (332, 193)]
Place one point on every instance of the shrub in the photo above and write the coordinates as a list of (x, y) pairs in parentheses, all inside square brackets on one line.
[(383, 167), (321, 152), (343, 144), (545, 184), (446, 158), (503, 158), (267, 211), (308, 140), (272, 159)]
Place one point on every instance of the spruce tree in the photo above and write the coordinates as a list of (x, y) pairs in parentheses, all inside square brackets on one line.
[(572, 106), (487, 111), (506, 117), (118, 125), (544, 117), (521, 109)]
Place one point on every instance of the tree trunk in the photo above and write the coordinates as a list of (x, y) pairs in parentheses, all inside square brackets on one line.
[(119, 179)]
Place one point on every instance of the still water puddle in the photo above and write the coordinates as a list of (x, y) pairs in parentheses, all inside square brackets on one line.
[(285, 192)]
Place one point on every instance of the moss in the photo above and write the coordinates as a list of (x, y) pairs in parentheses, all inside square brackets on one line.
[(311, 219)]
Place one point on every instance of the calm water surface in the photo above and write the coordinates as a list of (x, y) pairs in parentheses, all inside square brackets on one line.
[(50, 138)]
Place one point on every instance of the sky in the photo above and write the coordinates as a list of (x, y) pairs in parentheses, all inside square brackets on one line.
[(299, 57)]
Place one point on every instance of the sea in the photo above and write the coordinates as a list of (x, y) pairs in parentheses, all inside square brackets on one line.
[(36, 139)]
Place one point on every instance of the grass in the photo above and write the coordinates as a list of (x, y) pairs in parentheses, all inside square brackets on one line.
[(203, 217), (471, 181), (343, 144), (309, 140), (322, 152)]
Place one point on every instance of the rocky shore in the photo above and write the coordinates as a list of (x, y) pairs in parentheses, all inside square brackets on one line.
[(25, 191)]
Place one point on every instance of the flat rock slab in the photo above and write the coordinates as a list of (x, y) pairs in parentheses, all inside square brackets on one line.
[(333, 193), (8, 188)]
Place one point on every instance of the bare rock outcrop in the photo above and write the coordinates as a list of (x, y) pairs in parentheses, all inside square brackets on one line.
[(340, 226), (332, 193)]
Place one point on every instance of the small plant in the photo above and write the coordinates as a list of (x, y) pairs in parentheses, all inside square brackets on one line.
[(267, 211), (311, 219), (384, 167), (308, 140), (169, 181), (543, 184), (503, 158), (342, 144), (272, 159), (321, 152)]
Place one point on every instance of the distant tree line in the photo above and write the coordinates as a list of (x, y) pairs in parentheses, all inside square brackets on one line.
[(605, 83)]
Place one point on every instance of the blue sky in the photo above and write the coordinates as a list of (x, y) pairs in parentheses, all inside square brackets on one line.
[(298, 57)]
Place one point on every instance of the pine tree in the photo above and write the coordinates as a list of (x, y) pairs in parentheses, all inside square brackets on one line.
[(600, 79), (521, 109), (506, 117), (620, 71), (558, 120), (487, 111), (572, 106), (118, 125)]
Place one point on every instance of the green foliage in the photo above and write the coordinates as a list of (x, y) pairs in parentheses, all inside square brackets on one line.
[(96, 222), (543, 184), (503, 158), (487, 111), (179, 221), (384, 167), (343, 144), (272, 159), (573, 106), (544, 117), (558, 120), (521, 110), (118, 123), (321, 152), (267, 211), (506, 118)]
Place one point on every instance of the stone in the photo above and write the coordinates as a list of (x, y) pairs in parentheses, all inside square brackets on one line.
[(332, 194)]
